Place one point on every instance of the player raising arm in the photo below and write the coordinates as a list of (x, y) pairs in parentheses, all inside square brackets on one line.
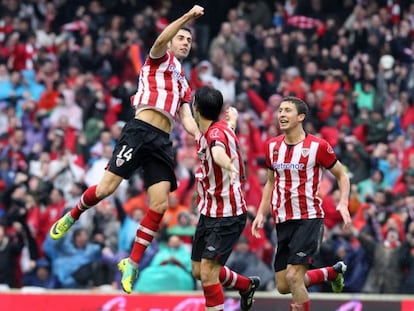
[(163, 92)]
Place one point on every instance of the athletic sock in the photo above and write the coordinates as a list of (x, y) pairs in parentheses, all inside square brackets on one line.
[(214, 296), (145, 234), (87, 200), (300, 306), (231, 279), (318, 276)]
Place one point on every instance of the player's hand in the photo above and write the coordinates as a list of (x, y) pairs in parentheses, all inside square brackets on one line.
[(196, 11), (231, 115), (257, 223), (342, 208)]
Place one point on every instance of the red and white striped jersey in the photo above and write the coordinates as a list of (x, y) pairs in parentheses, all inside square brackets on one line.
[(298, 171), (162, 86), (216, 197)]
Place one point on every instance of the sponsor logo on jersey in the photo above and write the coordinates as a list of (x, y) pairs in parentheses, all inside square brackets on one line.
[(288, 166)]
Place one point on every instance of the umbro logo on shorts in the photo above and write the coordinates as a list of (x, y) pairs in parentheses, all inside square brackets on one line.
[(301, 254)]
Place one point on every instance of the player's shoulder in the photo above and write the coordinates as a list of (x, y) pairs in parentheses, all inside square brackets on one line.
[(215, 129), (158, 60), (323, 144), (316, 139), (219, 124), (276, 139)]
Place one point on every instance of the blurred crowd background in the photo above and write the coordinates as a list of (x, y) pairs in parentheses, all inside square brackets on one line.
[(68, 69)]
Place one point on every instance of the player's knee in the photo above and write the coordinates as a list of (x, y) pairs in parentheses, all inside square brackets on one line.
[(196, 274), (206, 277), (283, 288), (293, 277)]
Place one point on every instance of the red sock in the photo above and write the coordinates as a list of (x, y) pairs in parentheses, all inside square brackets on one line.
[(214, 297), (300, 306), (87, 200), (231, 279), (318, 276), (145, 234)]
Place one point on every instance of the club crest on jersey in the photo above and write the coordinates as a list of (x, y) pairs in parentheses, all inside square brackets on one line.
[(119, 162), (305, 152)]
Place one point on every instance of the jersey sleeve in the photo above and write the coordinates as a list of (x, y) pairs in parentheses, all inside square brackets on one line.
[(268, 154), (325, 156), (159, 60), (216, 137)]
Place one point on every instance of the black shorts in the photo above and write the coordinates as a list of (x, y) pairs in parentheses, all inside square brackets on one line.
[(142, 145), (298, 241), (215, 237)]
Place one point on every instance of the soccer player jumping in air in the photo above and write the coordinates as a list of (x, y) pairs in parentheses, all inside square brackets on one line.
[(163, 92)]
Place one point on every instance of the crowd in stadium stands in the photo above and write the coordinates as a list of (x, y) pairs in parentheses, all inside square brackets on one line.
[(68, 69)]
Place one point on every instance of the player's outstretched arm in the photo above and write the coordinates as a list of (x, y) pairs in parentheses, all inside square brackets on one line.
[(188, 121), (264, 207), (222, 159), (344, 187)]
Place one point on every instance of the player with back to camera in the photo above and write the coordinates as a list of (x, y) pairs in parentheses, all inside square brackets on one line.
[(295, 162), (220, 201), (163, 91)]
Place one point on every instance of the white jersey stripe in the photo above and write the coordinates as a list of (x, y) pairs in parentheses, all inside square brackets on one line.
[(313, 149), (282, 180), (145, 85), (274, 192), (160, 80), (176, 96), (297, 152), (212, 182)]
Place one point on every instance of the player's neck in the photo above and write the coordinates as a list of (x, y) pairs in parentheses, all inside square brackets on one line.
[(180, 59), (204, 124), (294, 136)]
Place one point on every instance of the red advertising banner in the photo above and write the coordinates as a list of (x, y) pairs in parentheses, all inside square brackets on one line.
[(90, 301), (407, 305), (98, 302)]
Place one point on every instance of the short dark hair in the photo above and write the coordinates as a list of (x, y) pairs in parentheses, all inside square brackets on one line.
[(186, 29), (301, 106), (209, 102)]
